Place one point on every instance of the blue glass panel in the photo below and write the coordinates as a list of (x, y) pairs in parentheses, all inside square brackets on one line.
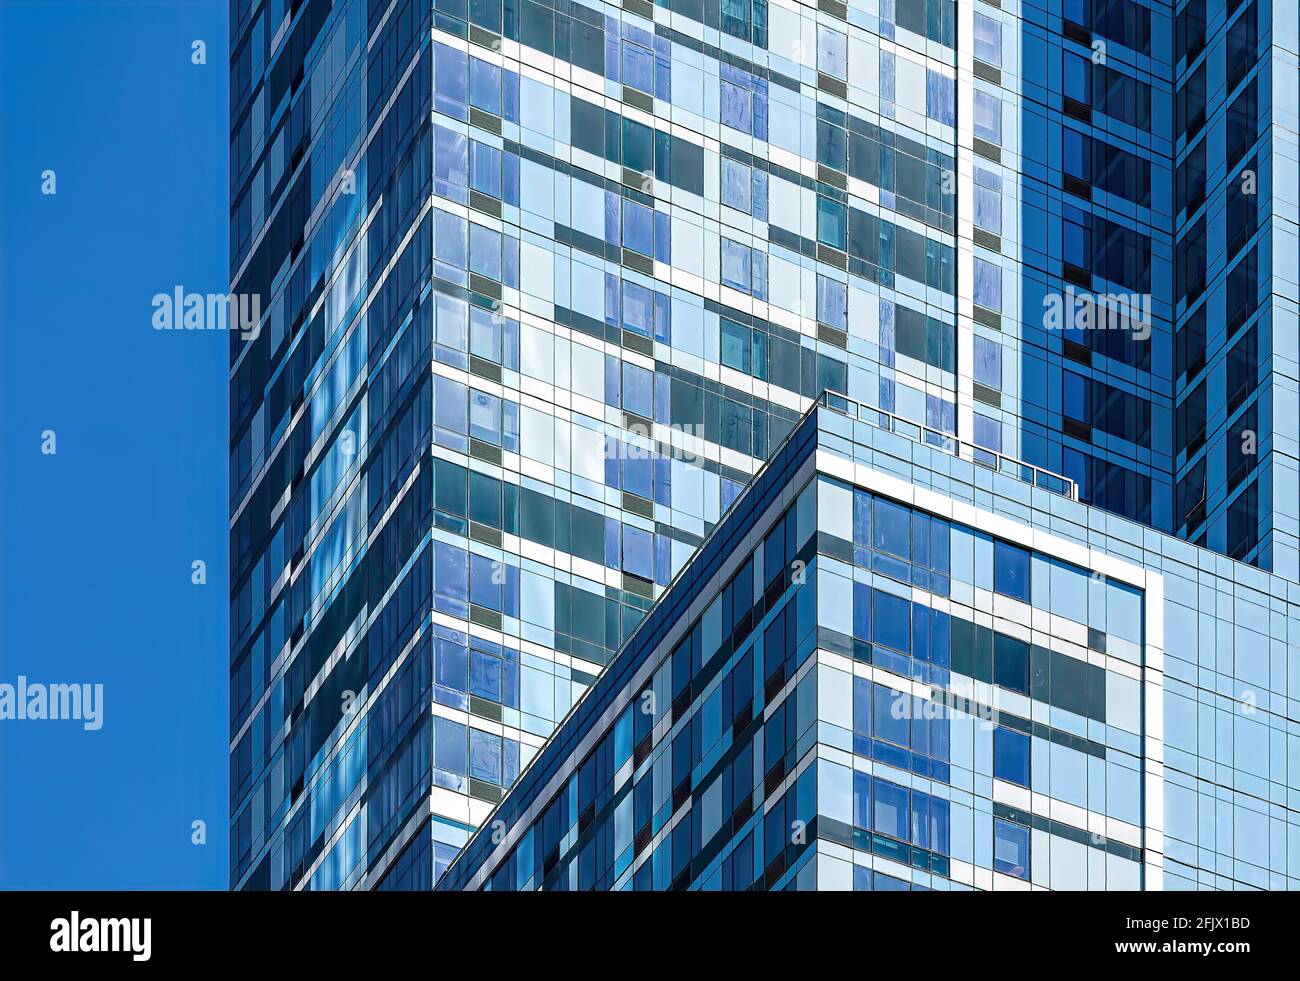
[(1010, 848), (1011, 571), (893, 621), (890, 815), (1011, 756)]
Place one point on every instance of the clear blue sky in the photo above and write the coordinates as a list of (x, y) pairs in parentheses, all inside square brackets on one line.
[(96, 542)]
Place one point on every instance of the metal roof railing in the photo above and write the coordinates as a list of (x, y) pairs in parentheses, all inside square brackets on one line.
[(989, 459)]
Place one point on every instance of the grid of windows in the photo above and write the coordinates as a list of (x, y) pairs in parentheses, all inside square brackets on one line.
[(764, 756), (545, 282), (425, 195)]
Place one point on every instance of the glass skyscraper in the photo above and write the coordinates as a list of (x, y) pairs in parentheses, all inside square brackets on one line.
[(543, 283), (899, 664)]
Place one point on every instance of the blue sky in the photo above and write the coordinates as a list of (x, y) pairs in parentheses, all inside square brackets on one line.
[(97, 540)]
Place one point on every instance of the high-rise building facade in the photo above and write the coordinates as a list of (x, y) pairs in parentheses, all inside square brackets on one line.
[(899, 664), (544, 282), (1235, 209)]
